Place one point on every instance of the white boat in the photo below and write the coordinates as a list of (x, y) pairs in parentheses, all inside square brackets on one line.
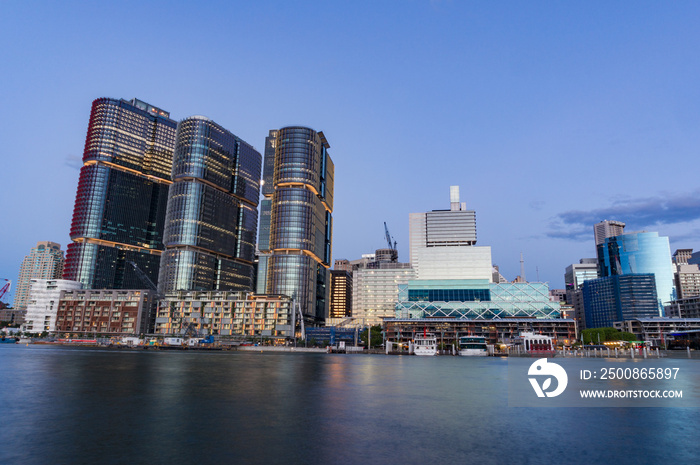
[(425, 344), (473, 346)]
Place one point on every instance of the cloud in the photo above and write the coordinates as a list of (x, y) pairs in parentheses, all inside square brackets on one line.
[(635, 213)]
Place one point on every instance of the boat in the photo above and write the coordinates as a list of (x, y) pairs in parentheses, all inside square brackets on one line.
[(425, 344), (536, 345), (472, 346), (9, 340)]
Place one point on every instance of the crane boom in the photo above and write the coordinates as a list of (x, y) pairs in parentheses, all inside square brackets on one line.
[(5, 289), (388, 237)]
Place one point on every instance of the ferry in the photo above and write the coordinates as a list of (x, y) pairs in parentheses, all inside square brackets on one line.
[(472, 346), (536, 344), (425, 344)]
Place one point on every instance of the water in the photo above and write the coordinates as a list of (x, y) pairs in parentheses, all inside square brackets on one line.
[(76, 405)]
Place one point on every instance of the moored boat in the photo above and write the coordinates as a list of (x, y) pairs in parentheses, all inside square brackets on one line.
[(473, 346), (425, 344)]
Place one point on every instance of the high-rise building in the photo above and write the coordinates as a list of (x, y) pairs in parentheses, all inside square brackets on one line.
[(639, 253), (122, 193), (606, 229), (619, 298), (576, 273), (376, 290), (341, 294), (45, 261), (442, 244), (687, 279), (212, 215), (297, 255), (681, 256)]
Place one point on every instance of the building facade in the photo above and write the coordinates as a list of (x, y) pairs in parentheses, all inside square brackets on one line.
[(639, 253), (474, 299), (212, 216), (298, 257), (687, 279), (42, 308), (120, 205), (574, 277), (605, 229), (619, 298), (442, 244), (45, 261), (341, 294), (376, 290), (223, 313), (106, 312)]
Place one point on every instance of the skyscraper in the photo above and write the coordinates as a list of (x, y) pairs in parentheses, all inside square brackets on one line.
[(212, 213), (298, 254), (640, 252), (45, 261), (122, 194), (606, 229), (443, 244), (619, 298)]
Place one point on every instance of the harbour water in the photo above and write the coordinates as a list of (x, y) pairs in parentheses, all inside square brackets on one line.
[(77, 405)]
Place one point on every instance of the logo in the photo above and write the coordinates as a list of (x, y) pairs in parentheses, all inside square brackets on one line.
[(543, 368)]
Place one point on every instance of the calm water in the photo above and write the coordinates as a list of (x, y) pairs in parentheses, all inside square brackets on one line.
[(72, 405)]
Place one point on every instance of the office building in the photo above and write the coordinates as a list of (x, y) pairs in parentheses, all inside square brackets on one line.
[(122, 194), (605, 229), (212, 216), (574, 277), (341, 294), (619, 298), (681, 256), (639, 253), (687, 279), (45, 261), (443, 244), (42, 308), (106, 312), (225, 313), (300, 196), (376, 290)]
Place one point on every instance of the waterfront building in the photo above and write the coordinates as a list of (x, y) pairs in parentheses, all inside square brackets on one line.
[(45, 261), (619, 298), (226, 313), (474, 299), (443, 243), (211, 220), (640, 253), (506, 330), (375, 290), (122, 194), (42, 308), (106, 312), (688, 307), (605, 229), (341, 294), (687, 279), (299, 196), (657, 329)]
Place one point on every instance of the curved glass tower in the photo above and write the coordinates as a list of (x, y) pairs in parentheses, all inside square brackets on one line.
[(300, 220), (211, 219), (122, 195)]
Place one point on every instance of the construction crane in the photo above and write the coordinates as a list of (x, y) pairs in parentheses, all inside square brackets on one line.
[(145, 279), (388, 237), (5, 289)]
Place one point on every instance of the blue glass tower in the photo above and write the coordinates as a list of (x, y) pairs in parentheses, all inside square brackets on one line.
[(619, 298), (637, 253)]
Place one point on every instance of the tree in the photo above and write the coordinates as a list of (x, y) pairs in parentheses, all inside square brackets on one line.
[(594, 335), (375, 338)]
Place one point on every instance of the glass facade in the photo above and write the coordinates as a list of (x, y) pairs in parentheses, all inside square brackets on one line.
[(211, 218), (639, 253), (474, 299), (122, 195), (619, 298), (298, 183)]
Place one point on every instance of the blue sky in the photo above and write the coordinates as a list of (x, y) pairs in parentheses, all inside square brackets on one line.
[(551, 116)]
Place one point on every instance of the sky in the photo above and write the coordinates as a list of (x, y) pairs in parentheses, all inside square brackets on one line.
[(550, 116)]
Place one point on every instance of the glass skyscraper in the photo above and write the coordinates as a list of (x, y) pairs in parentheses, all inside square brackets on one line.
[(619, 298), (212, 210), (639, 252), (297, 253), (122, 194)]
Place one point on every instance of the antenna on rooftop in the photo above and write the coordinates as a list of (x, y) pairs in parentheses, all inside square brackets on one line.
[(522, 268)]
